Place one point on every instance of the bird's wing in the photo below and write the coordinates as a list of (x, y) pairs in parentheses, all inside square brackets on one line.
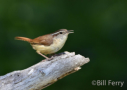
[(46, 40)]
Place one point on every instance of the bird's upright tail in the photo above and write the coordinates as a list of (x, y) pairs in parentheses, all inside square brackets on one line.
[(23, 39)]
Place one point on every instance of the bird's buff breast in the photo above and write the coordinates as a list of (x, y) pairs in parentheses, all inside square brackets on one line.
[(56, 46)]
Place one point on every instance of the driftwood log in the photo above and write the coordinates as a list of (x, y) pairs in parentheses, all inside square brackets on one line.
[(44, 73)]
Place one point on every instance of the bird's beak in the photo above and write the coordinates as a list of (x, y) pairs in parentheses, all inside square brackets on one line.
[(70, 31)]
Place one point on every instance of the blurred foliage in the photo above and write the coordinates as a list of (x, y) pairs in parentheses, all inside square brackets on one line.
[(100, 33)]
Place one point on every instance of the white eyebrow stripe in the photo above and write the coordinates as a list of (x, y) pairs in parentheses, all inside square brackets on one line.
[(57, 32)]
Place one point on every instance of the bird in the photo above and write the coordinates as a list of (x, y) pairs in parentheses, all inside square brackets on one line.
[(49, 43)]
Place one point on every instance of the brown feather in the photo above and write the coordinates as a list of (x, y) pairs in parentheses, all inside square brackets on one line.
[(23, 39), (46, 40)]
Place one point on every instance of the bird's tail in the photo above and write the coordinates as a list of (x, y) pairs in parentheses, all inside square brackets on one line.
[(23, 39)]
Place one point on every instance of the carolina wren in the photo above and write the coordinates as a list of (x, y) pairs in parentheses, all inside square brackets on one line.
[(49, 43)]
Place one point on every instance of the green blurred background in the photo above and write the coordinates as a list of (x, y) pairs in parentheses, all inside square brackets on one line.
[(100, 33)]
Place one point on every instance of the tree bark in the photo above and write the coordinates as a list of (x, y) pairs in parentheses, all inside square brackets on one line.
[(43, 73)]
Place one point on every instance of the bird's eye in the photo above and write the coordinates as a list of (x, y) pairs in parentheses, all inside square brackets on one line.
[(61, 32)]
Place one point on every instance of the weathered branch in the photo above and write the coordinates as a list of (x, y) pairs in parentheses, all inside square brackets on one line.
[(43, 74)]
